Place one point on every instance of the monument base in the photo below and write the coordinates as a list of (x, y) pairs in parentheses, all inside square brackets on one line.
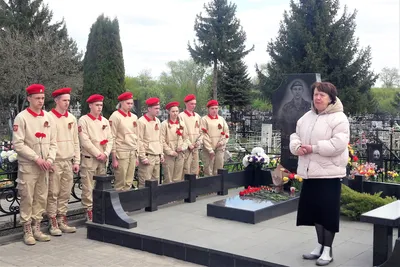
[(250, 209)]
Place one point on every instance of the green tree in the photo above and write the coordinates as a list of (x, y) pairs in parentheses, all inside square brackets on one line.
[(220, 38), (34, 49), (396, 102), (103, 65), (29, 16), (314, 38), (186, 77), (235, 85)]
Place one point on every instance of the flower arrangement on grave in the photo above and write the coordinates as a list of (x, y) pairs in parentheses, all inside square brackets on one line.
[(8, 163), (257, 157), (274, 162), (353, 159), (263, 192), (294, 180), (369, 170), (392, 175)]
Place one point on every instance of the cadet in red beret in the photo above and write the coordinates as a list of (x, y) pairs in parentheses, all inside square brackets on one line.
[(67, 162), (153, 101), (191, 121), (61, 91), (125, 96), (35, 89), (96, 143), (212, 103), (35, 141), (124, 129), (150, 148), (174, 140), (215, 139)]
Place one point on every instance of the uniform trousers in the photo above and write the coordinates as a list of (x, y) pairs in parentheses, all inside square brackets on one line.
[(32, 188), (90, 167), (60, 185)]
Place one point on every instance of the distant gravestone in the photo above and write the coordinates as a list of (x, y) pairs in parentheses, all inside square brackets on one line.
[(291, 101)]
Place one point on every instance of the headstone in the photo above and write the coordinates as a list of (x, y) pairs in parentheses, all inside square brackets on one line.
[(291, 101), (266, 136), (374, 154)]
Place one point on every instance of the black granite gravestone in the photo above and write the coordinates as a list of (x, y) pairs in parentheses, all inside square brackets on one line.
[(375, 154), (291, 101)]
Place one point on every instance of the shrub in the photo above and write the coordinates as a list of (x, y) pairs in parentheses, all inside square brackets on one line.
[(353, 203)]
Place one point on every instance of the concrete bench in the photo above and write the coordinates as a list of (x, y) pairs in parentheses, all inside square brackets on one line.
[(384, 219)]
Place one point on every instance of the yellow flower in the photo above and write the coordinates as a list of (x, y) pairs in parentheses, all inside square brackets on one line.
[(285, 179), (300, 179)]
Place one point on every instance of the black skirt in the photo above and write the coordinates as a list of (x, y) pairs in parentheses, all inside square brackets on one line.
[(319, 203)]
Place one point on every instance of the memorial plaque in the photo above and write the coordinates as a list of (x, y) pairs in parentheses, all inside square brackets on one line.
[(374, 154), (290, 102)]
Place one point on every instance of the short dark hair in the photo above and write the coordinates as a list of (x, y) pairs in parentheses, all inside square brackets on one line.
[(325, 87)]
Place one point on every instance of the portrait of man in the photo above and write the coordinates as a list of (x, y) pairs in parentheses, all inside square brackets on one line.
[(374, 154), (296, 107)]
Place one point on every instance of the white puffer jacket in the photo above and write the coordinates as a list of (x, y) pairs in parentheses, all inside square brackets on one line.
[(328, 133)]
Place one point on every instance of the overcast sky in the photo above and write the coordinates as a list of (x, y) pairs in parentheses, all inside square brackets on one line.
[(154, 32)]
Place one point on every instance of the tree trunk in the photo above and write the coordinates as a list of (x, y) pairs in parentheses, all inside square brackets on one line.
[(215, 79)]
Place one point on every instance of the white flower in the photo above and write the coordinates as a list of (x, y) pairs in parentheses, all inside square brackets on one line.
[(3, 154), (245, 161), (258, 151), (10, 152), (13, 157)]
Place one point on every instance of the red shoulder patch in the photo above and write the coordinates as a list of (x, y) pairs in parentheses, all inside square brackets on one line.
[(134, 124), (15, 128), (79, 128), (110, 123)]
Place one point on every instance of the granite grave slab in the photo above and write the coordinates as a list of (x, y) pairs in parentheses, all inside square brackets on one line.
[(249, 209)]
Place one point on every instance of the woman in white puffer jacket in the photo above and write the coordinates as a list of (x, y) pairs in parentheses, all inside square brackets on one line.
[(320, 141)]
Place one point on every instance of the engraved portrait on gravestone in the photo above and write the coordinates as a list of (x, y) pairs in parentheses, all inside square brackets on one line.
[(297, 106)]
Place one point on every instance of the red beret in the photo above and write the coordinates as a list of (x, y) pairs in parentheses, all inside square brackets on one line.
[(35, 89), (172, 104), (189, 98), (61, 91), (152, 101), (95, 98), (212, 103), (125, 96)]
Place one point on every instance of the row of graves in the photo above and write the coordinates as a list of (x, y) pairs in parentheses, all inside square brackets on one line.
[(247, 217)]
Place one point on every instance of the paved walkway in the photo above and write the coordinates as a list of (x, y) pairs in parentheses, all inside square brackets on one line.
[(277, 240), (77, 250)]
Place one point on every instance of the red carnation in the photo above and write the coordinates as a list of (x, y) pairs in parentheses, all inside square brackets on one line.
[(178, 132), (226, 136), (40, 135), (222, 133), (104, 142), (355, 158), (204, 130), (291, 176)]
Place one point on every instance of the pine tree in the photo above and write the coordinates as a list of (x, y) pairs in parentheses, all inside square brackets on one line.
[(235, 85), (29, 37), (220, 38), (103, 65), (313, 39)]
